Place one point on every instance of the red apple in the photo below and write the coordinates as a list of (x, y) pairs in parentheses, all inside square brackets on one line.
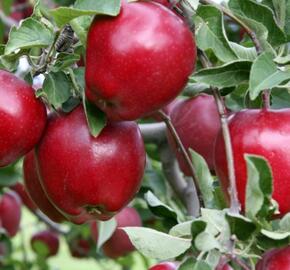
[(23, 118), (10, 212), (164, 266), (35, 190), (80, 248), (87, 177), (138, 61), (259, 132), (21, 191), (119, 244), (45, 243), (275, 259), (197, 122), (224, 267)]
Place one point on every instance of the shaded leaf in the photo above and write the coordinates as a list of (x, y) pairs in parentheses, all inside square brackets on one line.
[(105, 231)]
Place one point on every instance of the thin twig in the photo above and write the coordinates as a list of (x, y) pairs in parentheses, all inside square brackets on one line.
[(242, 264), (235, 205), (54, 226), (183, 151), (9, 22), (185, 191)]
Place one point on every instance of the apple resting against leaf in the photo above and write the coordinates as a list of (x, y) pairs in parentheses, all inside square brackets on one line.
[(88, 177), (10, 212), (23, 118), (197, 123), (35, 190), (45, 243), (275, 259), (119, 244), (259, 132), (138, 61)]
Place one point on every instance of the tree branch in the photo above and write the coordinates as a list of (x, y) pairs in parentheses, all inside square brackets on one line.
[(153, 133), (185, 190), (235, 204), (54, 226), (183, 151), (9, 22)]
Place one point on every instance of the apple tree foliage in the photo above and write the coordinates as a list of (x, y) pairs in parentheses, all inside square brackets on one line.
[(240, 70)]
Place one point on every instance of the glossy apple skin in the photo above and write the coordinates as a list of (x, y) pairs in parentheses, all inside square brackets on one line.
[(23, 118), (19, 188), (48, 238), (35, 190), (10, 212), (138, 61), (119, 244), (259, 132), (275, 259), (87, 177), (164, 266), (197, 122)]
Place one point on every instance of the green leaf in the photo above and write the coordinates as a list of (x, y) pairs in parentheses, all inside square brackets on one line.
[(193, 264), (30, 33), (65, 60), (275, 235), (217, 223), (182, 229), (64, 15), (81, 26), (280, 98), (9, 176), (6, 6), (265, 75), (259, 186), (253, 14), (287, 20), (95, 117), (229, 75), (283, 60), (204, 178), (157, 245), (241, 226), (41, 248), (80, 77), (206, 242), (244, 53), (210, 33), (158, 208), (57, 88), (105, 231), (284, 223), (197, 227)]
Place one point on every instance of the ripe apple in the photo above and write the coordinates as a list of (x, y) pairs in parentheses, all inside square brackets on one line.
[(35, 190), (10, 212), (275, 259), (119, 244), (164, 266), (87, 177), (224, 267), (45, 243), (138, 61), (259, 132), (21, 191), (80, 248), (197, 122), (23, 118)]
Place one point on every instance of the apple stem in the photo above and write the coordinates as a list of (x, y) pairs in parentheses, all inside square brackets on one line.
[(185, 190), (54, 226), (266, 99), (183, 151), (235, 204)]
